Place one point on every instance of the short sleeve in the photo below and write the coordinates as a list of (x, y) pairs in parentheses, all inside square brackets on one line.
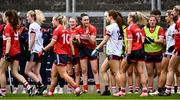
[(161, 32), (93, 31), (129, 35), (7, 31), (108, 31), (55, 35)]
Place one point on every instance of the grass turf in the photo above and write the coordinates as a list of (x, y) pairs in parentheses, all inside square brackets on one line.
[(86, 97)]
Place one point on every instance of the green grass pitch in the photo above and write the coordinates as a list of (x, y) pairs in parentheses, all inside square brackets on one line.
[(87, 97)]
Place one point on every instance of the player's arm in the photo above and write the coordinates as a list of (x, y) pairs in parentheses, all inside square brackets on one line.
[(129, 41), (50, 45), (72, 46), (32, 40), (8, 45), (106, 38), (160, 39)]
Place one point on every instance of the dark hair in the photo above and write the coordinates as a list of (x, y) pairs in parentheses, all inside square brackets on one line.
[(155, 12), (83, 14), (13, 18), (118, 18)]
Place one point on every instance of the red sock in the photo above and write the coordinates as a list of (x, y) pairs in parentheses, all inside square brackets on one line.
[(97, 86), (86, 87)]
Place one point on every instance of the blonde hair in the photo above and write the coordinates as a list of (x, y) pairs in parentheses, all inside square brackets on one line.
[(177, 7), (138, 17), (62, 19), (37, 15)]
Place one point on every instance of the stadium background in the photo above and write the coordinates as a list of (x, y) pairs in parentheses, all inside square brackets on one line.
[(95, 9)]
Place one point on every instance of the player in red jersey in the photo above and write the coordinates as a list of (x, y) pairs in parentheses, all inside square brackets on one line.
[(61, 46), (87, 34), (134, 52), (74, 42), (175, 59), (11, 52)]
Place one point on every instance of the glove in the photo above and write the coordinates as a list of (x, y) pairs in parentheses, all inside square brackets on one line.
[(150, 40), (75, 42), (8, 57), (74, 60), (41, 53), (94, 52), (146, 41), (171, 48)]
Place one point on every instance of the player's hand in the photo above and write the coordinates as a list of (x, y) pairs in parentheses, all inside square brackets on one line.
[(146, 41), (95, 52), (171, 48), (8, 57), (41, 53)]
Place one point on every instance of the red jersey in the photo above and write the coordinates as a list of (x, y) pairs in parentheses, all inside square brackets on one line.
[(61, 36), (134, 33), (73, 34), (91, 30), (177, 36), (14, 36)]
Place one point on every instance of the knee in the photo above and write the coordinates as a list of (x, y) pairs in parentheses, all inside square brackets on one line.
[(77, 72), (150, 74), (95, 71), (84, 71)]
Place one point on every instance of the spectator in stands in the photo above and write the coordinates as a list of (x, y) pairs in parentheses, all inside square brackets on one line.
[(88, 34)]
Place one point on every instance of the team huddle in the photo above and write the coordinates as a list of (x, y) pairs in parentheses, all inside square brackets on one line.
[(141, 46)]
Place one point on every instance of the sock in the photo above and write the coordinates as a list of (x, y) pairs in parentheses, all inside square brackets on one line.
[(39, 84), (26, 85), (150, 89), (97, 87), (137, 88), (168, 89), (3, 91), (130, 88), (106, 88), (144, 90), (86, 87), (123, 89), (113, 87)]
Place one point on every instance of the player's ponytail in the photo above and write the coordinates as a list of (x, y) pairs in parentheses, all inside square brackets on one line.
[(37, 16), (59, 18), (13, 18), (118, 18), (138, 17)]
